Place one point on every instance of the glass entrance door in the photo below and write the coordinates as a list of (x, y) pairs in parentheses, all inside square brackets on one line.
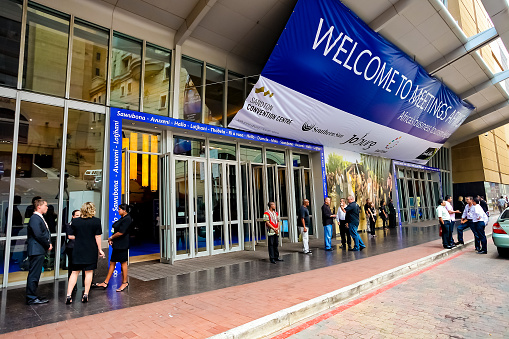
[(247, 205), (140, 190), (225, 215)]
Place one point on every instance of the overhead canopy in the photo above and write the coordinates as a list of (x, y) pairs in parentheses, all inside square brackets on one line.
[(332, 80)]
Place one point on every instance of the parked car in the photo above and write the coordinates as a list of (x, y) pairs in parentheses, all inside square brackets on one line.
[(501, 233), (91, 177)]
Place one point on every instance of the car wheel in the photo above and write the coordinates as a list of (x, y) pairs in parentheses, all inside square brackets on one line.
[(503, 252)]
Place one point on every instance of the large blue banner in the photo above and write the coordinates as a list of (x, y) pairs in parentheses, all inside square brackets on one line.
[(332, 80)]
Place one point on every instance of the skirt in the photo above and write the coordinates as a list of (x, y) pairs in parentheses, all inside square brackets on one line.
[(84, 267), (119, 255)]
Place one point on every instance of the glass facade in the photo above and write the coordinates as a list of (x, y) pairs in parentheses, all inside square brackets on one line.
[(125, 72), (46, 45), (156, 91), (190, 93), (89, 66), (10, 38), (214, 96), (236, 94)]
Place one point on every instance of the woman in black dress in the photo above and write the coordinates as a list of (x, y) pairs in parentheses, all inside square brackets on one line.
[(372, 219), (119, 241), (392, 214), (86, 232), (383, 213)]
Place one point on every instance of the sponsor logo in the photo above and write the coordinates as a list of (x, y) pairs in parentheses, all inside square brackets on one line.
[(265, 92), (307, 126), (427, 153), (393, 143), (356, 140)]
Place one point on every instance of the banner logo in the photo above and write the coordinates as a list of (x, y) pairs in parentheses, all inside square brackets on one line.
[(307, 126), (393, 143), (427, 154), (265, 93)]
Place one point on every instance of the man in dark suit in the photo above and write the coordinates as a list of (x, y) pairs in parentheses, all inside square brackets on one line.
[(38, 245)]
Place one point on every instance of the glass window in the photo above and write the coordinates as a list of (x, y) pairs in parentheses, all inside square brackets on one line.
[(251, 81), (125, 72), (236, 94), (300, 160), (7, 114), (214, 96), (10, 37), (190, 90), (89, 66), (218, 150), (37, 175), (276, 157), (83, 161), (252, 154), (157, 80), (46, 44), (189, 146)]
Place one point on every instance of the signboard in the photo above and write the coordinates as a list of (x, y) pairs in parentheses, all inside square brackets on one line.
[(331, 80), (115, 151)]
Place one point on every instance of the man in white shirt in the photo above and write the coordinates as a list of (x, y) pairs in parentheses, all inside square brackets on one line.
[(480, 222), (501, 204), (445, 221), (452, 212), (467, 220), (343, 231)]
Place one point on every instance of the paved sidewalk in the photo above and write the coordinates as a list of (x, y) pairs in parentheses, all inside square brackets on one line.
[(205, 314), (465, 297)]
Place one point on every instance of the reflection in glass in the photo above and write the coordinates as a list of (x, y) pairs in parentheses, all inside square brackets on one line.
[(190, 90), (199, 206), (300, 160), (83, 161), (89, 65), (217, 205), (252, 154), (39, 160), (189, 146), (283, 203), (10, 37), (275, 157), (236, 94), (125, 72), (46, 44), (7, 114), (181, 191), (156, 91), (219, 150), (182, 240), (214, 96)]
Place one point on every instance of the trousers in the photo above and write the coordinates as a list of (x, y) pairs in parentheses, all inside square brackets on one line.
[(34, 274), (305, 239), (345, 234), (446, 233), (358, 243), (483, 243), (327, 236), (273, 241)]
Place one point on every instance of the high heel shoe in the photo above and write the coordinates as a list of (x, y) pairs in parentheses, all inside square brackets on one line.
[(96, 285), (68, 301), (84, 299), (122, 289)]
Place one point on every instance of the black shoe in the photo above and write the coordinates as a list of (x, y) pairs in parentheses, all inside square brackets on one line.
[(37, 301), (279, 259), (459, 243), (68, 301), (361, 248), (272, 261), (482, 252), (328, 249), (96, 285), (448, 247), (308, 252), (350, 248), (84, 299), (453, 245)]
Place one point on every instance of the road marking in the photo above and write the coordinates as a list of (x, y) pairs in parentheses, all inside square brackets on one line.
[(357, 301)]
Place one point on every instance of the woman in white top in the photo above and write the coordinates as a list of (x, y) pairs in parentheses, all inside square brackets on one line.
[(480, 222)]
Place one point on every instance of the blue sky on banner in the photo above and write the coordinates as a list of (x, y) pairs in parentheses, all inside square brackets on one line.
[(327, 53)]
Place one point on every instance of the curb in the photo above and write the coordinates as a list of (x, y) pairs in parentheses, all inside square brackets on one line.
[(281, 319)]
